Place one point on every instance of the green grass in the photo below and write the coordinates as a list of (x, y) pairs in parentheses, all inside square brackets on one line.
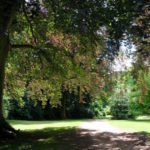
[(132, 125), (42, 135), (36, 125)]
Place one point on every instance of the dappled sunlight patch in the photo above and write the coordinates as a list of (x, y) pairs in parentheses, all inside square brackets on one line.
[(47, 140), (82, 139), (25, 147), (66, 138), (123, 141), (122, 137)]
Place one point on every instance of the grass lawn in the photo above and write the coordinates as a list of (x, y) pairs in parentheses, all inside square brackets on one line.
[(36, 125), (42, 135), (132, 125)]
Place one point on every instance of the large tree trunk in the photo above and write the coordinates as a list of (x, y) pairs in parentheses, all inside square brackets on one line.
[(4, 48), (63, 105), (63, 109), (5, 128), (8, 10)]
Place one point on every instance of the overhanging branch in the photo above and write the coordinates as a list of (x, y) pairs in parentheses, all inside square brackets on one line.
[(29, 22), (23, 46)]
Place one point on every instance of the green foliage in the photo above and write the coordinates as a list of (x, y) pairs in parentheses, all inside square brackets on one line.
[(65, 40), (120, 102), (139, 103), (31, 112), (6, 106), (143, 92), (130, 98), (98, 108), (118, 99), (44, 77), (90, 108), (135, 107), (119, 109), (65, 45)]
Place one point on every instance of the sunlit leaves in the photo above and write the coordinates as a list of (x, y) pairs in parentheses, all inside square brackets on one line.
[(67, 42)]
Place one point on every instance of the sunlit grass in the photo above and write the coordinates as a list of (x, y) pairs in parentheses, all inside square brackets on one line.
[(34, 125), (132, 125)]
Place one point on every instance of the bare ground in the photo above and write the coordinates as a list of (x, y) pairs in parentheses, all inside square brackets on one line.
[(100, 135)]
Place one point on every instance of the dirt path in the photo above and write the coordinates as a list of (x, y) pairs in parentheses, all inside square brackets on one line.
[(97, 126), (100, 135)]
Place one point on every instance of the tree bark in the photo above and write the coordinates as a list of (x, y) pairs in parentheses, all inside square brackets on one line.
[(63, 105), (63, 110), (8, 10), (4, 49)]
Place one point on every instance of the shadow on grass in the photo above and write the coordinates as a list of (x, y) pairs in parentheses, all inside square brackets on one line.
[(49, 139), (145, 133), (45, 139), (75, 139)]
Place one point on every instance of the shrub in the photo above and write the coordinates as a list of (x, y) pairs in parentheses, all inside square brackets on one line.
[(119, 109), (98, 109)]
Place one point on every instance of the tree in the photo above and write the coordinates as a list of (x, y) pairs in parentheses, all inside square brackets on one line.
[(35, 20), (80, 74), (8, 11), (140, 96)]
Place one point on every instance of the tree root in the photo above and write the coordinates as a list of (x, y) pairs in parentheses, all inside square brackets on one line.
[(6, 131)]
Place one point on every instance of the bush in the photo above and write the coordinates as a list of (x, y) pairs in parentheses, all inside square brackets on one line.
[(98, 109), (107, 110), (119, 109), (74, 109)]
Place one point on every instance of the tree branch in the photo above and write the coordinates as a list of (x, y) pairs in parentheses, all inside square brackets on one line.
[(29, 22), (23, 46)]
